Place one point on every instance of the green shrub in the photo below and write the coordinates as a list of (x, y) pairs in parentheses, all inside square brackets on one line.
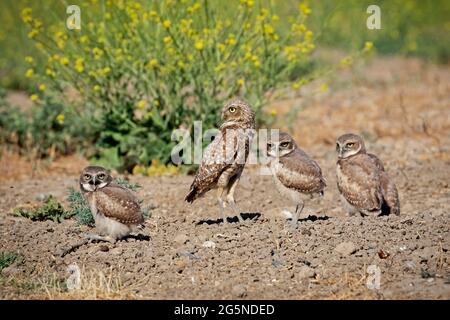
[(7, 259), (148, 68), (50, 210)]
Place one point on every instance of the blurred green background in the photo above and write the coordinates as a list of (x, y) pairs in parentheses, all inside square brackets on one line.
[(409, 27), (132, 129)]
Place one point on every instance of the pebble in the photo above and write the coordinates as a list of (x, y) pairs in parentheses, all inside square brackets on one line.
[(181, 238), (209, 244), (346, 248), (239, 291), (306, 272)]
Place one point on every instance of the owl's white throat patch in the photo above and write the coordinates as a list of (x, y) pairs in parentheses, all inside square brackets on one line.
[(88, 187)]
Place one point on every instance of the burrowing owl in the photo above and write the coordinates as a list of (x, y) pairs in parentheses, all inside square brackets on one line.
[(364, 185), (225, 157), (296, 175), (116, 210)]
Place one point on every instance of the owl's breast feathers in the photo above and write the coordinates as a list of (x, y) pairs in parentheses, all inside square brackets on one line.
[(299, 172), (120, 204), (226, 154)]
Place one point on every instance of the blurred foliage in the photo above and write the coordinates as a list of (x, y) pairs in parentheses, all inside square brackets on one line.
[(50, 210), (42, 131), (79, 207), (411, 27), (137, 70)]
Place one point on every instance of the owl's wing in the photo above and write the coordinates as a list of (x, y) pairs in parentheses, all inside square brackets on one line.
[(377, 161), (390, 194), (120, 204), (359, 182), (301, 173), (218, 156), (388, 189)]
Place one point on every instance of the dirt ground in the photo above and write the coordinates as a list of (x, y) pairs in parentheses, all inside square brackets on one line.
[(401, 106)]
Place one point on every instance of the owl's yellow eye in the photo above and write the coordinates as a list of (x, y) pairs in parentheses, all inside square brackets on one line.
[(232, 109), (87, 177), (101, 176), (350, 145), (284, 144)]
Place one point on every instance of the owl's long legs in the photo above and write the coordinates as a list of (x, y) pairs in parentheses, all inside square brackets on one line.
[(221, 205), (298, 211), (230, 199)]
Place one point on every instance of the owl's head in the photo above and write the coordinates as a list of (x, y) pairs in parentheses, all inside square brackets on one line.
[(282, 146), (238, 113), (349, 144), (93, 178)]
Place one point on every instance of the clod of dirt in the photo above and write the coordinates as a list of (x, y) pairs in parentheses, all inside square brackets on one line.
[(104, 248), (239, 291), (346, 248), (10, 271), (306, 232), (383, 254), (209, 244), (181, 238), (42, 197), (306, 272)]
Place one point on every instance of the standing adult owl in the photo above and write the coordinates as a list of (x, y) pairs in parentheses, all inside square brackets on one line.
[(225, 157), (116, 210), (363, 183), (296, 175)]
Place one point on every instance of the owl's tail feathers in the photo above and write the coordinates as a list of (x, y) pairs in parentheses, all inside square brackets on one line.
[(192, 195)]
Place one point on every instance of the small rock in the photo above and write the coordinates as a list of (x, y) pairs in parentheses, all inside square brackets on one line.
[(306, 232), (346, 248), (116, 251), (410, 265), (306, 272), (239, 291), (209, 244), (42, 196), (181, 238), (104, 248)]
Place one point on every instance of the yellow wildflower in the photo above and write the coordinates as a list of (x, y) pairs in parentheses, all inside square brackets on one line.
[(29, 59), (42, 87), (167, 40), (29, 73), (141, 104), (96, 88), (368, 46), (60, 118), (84, 39), (166, 24), (79, 65), (64, 61), (241, 82), (34, 97), (33, 33), (26, 15), (199, 45), (153, 63), (323, 87), (304, 9)]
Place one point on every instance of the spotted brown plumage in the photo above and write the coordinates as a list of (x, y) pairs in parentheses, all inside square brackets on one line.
[(225, 157), (296, 175), (115, 209), (363, 183)]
